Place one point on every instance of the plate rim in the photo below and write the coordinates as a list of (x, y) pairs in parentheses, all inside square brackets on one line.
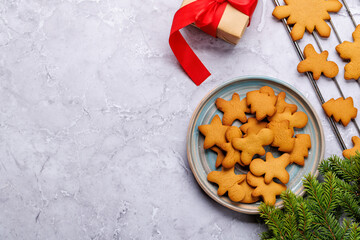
[(223, 85)]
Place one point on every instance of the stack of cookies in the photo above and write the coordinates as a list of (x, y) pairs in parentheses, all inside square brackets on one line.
[(273, 124)]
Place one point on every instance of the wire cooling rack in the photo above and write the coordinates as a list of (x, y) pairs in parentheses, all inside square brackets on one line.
[(333, 124)]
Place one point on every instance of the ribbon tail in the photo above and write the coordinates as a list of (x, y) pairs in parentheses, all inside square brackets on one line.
[(191, 64)]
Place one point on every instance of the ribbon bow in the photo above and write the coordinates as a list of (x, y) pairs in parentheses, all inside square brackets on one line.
[(206, 14)]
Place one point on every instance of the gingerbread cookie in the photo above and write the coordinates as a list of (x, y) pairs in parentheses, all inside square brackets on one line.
[(253, 144), (233, 109), (297, 120), (281, 104), (262, 102), (214, 132), (253, 125), (351, 51), (228, 182), (248, 193), (232, 155), (352, 151), (301, 149), (272, 168), (341, 110), (283, 135), (268, 192), (220, 156), (317, 63), (307, 14)]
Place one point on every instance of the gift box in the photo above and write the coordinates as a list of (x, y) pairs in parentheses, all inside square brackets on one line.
[(225, 19), (232, 24)]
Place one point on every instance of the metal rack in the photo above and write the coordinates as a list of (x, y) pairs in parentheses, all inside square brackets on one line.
[(310, 76)]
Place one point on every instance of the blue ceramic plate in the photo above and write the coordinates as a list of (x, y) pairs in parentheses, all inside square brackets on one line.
[(203, 161)]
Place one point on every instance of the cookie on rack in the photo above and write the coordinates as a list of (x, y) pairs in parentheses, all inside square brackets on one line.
[(352, 151), (317, 63), (351, 51), (341, 109), (307, 14), (233, 109)]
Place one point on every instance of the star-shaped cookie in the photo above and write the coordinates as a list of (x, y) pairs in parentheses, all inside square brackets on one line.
[(233, 109), (351, 51), (214, 132), (307, 14), (317, 63)]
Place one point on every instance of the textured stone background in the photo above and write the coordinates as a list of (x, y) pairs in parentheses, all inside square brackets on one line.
[(94, 111)]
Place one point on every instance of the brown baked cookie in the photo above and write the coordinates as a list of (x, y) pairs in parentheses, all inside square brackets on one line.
[(232, 155), (220, 156), (248, 193), (214, 132), (268, 192), (253, 125), (272, 168), (317, 63), (351, 51), (352, 151), (283, 135), (307, 14), (262, 102), (233, 109), (281, 104), (297, 120), (301, 149), (228, 182), (341, 110), (253, 144)]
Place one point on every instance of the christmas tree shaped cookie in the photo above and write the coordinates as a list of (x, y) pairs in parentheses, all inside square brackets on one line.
[(351, 51), (307, 14), (317, 63), (342, 110)]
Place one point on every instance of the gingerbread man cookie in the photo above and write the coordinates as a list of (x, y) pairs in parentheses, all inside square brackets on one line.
[(272, 167), (301, 149), (228, 182), (283, 135), (281, 104), (307, 14), (214, 132), (233, 109), (248, 198), (297, 120), (268, 192), (232, 155), (352, 151), (342, 110), (351, 51), (253, 125), (317, 63), (262, 102), (253, 144)]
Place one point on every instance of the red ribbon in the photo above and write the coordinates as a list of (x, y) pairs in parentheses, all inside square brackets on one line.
[(206, 14)]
